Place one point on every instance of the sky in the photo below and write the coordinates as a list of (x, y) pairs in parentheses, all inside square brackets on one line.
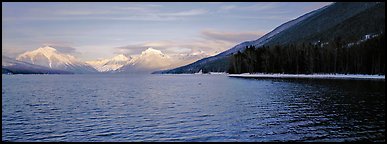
[(91, 31)]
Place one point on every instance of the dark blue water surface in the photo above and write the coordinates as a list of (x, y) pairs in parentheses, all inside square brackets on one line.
[(189, 108)]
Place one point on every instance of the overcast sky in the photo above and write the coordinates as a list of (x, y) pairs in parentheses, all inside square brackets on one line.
[(101, 30)]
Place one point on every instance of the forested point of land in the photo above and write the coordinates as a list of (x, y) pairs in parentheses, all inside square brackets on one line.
[(366, 56)]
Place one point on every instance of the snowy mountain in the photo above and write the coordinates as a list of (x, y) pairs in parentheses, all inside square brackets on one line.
[(49, 57), (148, 61), (18, 67), (112, 64)]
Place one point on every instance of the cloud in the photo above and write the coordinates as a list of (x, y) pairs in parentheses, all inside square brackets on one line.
[(317, 6), (262, 17), (265, 11), (132, 12), (192, 12), (62, 46), (132, 49), (231, 36), (211, 2), (82, 12), (227, 7), (12, 52), (65, 49), (262, 6)]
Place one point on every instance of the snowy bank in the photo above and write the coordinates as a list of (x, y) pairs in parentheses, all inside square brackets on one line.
[(312, 76)]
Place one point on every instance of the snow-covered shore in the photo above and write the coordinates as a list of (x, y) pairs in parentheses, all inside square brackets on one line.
[(312, 76)]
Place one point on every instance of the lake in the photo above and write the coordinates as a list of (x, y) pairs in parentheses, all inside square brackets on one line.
[(107, 107)]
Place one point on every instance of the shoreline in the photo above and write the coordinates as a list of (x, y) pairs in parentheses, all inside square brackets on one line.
[(311, 76)]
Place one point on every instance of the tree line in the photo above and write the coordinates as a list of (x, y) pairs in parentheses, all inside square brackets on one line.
[(335, 56)]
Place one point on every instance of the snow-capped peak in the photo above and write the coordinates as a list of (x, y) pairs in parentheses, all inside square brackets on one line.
[(200, 52), (111, 64), (50, 57), (47, 49), (151, 51), (46, 52), (120, 57), (149, 60)]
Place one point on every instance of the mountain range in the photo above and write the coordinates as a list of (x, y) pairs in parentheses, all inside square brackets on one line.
[(48, 60), (110, 64), (348, 20)]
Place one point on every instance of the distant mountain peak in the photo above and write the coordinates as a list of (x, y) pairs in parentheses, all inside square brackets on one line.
[(46, 48), (49, 57), (149, 60), (121, 57), (200, 52), (110, 64), (151, 50)]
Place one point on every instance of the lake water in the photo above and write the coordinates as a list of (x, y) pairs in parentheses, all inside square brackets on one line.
[(189, 108)]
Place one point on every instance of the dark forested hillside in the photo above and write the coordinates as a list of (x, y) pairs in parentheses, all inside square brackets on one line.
[(366, 56), (340, 23), (342, 19), (344, 48), (370, 21)]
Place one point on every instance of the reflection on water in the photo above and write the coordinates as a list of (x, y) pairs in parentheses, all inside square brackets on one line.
[(189, 108)]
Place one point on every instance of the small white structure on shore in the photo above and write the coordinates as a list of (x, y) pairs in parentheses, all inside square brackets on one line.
[(200, 72)]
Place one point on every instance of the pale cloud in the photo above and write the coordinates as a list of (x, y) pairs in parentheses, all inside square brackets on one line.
[(231, 36), (133, 12), (192, 12), (65, 49), (228, 7), (262, 6), (211, 2), (317, 6), (138, 16), (82, 12), (261, 17), (137, 6), (257, 11), (12, 52), (152, 15)]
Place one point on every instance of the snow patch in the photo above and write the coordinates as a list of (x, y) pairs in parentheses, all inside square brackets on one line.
[(313, 76)]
